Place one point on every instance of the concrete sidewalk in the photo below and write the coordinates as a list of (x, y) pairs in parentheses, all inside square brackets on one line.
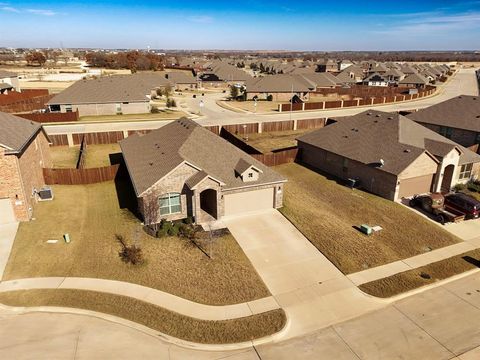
[(413, 262), (308, 287), (146, 294)]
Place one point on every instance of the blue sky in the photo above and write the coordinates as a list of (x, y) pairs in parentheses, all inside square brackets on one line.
[(243, 24)]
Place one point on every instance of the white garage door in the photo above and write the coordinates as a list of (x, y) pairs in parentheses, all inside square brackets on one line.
[(6, 212), (248, 201)]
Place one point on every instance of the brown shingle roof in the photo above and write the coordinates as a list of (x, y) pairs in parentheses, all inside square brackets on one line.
[(16, 132), (110, 89), (416, 79), (461, 112), (151, 157), (374, 135)]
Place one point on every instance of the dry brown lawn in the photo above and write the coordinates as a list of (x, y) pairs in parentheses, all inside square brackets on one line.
[(275, 140), (154, 317), (326, 213), (166, 114), (92, 216), (64, 157), (96, 155), (412, 279)]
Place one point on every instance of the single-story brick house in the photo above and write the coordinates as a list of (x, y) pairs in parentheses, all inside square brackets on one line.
[(24, 151), (184, 170), (457, 119), (110, 95), (389, 155)]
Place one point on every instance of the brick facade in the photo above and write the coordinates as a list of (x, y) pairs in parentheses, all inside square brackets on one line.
[(190, 199), (463, 137), (22, 173)]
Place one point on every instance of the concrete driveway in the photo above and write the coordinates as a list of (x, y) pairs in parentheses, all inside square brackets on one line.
[(7, 237), (311, 290)]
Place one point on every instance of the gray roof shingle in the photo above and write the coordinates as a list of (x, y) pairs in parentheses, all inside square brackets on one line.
[(151, 157), (16, 132), (374, 135)]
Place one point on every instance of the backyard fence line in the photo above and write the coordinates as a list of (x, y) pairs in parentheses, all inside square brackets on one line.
[(278, 157), (80, 176), (340, 104), (51, 117)]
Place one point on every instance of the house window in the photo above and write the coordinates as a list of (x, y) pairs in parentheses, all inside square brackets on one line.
[(170, 204), (250, 175), (68, 108), (446, 131), (465, 171)]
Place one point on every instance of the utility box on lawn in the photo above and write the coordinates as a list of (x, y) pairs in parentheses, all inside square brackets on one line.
[(367, 230)]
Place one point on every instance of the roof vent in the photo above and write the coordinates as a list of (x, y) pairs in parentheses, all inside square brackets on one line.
[(369, 114), (390, 118), (150, 163), (378, 115), (407, 151)]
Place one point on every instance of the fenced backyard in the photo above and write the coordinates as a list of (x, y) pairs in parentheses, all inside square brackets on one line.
[(370, 96)]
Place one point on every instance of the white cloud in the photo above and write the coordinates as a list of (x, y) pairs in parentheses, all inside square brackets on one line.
[(201, 19), (431, 23), (42, 12), (9, 9)]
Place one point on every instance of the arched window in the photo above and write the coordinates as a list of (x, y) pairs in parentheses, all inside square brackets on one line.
[(170, 204)]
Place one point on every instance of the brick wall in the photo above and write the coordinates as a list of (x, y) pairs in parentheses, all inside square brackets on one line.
[(465, 138), (21, 174), (371, 179)]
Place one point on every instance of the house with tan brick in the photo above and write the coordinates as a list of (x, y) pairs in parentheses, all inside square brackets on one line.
[(388, 155), (457, 119), (24, 151), (184, 170)]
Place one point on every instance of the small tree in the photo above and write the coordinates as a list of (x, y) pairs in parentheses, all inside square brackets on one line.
[(130, 254), (233, 92)]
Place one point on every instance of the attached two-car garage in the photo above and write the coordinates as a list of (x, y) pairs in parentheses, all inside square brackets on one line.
[(249, 201), (417, 185)]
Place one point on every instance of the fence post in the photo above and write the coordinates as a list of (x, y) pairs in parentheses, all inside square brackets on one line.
[(70, 140), (358, 102), (280, 107), (341, 104), (260, 127), (384, 99), (294, 124), (323, 105), (303, 106), (125, 134), (371, 103)]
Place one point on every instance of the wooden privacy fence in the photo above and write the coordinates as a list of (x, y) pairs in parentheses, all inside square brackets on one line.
[(339, 104), (51, 117), (27, 100), (80, 176), (278, 157)]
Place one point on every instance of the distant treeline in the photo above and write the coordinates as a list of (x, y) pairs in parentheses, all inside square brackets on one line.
[(132, 60)]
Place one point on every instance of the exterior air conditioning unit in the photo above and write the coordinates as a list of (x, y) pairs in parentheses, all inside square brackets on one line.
[(45, 194)]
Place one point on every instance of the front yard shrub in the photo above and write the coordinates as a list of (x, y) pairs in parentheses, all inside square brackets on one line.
[(130, 254), (460, 187), (270, 97), (474, 186)]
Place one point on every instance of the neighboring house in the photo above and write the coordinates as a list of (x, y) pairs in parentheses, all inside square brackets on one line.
[(351, 75), (414, 81), (221, 74), (182, 80), (394, 76), (376, 80), (24, 151), (457, 119), (281, 87), (110, 95), (8, 81), (183, 170), (327, 65), (389, 154)]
